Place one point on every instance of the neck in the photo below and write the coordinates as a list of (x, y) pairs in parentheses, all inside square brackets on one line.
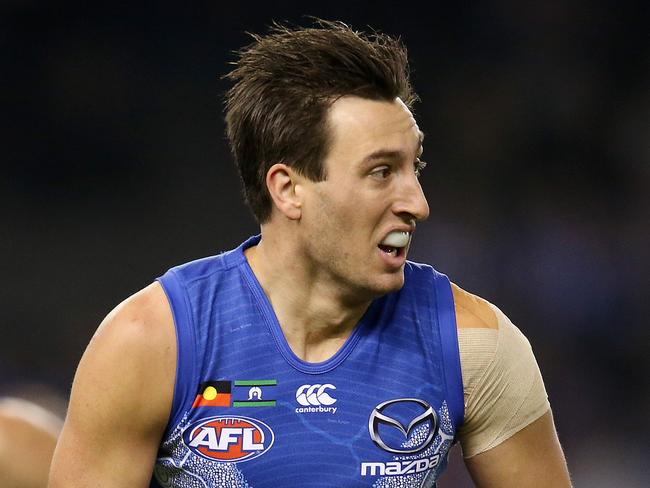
[(315, 312)]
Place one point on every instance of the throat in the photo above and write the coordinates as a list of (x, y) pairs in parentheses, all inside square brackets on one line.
[(316, 351), (316, 342), (315, 327)]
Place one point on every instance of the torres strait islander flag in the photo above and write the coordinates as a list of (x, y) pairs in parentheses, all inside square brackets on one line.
[(213, 394), (254, 393)]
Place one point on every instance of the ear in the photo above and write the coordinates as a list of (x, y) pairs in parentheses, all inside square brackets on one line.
[(281, 182)]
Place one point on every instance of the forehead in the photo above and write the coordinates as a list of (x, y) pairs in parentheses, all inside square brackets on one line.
[(359, 126)]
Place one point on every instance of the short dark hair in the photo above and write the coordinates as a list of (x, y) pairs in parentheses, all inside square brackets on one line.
[(285, 82)]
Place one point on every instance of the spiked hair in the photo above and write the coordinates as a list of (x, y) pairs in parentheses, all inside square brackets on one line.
[(285, 82)]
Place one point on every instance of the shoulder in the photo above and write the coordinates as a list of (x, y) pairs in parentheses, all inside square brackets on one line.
[(140, 329), (207, 267), (485, 333), (472, 311), (143, 317), (121, 397), (502, 385), (132, 355)]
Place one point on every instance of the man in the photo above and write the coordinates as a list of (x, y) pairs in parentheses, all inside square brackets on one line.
[(314, 354), (28, 433)]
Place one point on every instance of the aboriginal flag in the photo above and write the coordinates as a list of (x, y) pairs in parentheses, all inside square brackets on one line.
[(213, 394)]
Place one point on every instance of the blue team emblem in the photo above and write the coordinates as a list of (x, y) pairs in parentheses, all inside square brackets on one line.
[(228, 438)]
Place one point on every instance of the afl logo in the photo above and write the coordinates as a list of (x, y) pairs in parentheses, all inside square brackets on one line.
[(228, 439)]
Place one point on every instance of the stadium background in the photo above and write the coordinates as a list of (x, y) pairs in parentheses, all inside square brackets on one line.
[(115, 168)]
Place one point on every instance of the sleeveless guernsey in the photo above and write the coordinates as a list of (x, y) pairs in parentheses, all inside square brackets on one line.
[(247, 412)]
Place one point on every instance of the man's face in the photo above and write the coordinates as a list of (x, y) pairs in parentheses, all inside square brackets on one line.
[(357, 222)]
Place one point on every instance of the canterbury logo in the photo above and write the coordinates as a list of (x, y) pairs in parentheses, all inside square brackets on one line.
[(315, 395)]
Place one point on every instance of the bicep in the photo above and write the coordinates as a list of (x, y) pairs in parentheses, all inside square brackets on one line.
[(119, 405), (531, 458), (508, 436), (87, 455), (503, 386)]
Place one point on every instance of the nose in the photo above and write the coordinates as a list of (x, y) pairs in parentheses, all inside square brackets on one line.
[(411, 200)]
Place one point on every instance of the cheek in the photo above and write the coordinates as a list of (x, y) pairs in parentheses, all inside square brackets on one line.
[(346, 214), (328, 211)]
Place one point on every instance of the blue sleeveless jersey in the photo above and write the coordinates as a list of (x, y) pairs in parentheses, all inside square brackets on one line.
[(247, 412)]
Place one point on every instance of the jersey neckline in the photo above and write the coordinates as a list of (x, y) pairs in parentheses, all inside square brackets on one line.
[(276, 331)]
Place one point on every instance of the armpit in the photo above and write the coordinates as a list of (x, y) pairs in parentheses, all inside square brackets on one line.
[(503, 387)]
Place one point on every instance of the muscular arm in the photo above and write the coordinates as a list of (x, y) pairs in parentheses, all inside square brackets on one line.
[(508, 437), (531, 458), (121, 398)]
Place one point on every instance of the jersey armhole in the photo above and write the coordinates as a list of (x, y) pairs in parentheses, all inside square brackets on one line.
[(450, 350), (185, 346)]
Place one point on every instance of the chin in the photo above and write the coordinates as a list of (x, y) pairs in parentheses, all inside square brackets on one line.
[(388, 283)]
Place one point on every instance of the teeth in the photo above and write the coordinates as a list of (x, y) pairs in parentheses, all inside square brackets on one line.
[(388, 250), (396, 239)]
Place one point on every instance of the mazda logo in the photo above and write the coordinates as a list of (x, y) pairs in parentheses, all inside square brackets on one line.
[(378, 417)]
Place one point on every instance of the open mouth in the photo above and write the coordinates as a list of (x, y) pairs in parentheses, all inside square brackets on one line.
[(392, 251), (395, 243)]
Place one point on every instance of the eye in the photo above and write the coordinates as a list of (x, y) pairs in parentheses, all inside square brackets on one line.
[(419, 165), (381, 172)]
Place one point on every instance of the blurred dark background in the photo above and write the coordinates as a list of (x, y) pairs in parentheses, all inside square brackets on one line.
[(537, 116)]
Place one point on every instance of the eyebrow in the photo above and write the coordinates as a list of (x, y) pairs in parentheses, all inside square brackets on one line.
[(388, 154)]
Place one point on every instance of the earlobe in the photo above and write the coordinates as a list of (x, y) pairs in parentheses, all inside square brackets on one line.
[(283, 185)]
